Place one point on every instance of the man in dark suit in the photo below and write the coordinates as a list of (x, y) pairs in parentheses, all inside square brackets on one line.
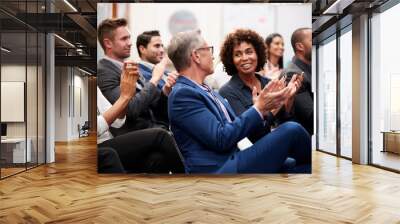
[(207, 130), (151, 51), (148, 108), (301, 63)]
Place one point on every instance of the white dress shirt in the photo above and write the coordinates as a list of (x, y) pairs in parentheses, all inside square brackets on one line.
[(103, 133)]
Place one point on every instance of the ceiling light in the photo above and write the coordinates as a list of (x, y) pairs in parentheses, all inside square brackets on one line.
[(5, 50), (70, 5), (338, 6), (331, 7), (65, 41), (80, 51), (84, 71)]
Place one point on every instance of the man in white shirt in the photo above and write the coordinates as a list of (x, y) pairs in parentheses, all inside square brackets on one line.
[(151, 150)]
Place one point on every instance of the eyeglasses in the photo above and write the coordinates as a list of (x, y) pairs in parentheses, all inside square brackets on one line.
[(211, 48)]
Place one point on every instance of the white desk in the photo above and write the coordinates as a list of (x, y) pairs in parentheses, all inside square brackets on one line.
[(17, 145)]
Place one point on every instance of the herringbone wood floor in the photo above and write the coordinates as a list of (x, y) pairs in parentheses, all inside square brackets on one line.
[(70, 191)]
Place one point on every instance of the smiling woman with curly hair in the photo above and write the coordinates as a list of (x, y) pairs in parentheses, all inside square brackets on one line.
[(243, 53), (236, 38)]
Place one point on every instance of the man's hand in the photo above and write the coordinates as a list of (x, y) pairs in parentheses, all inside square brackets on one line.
[(271, 97), (158, 71), (294, 86), (171, 80), (129, 76)]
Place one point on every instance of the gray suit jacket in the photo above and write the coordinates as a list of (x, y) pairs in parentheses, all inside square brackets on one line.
[(147, 109)]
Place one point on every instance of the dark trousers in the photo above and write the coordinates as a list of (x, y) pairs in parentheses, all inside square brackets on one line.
[(108, 161), (269, 153), (147, 151)]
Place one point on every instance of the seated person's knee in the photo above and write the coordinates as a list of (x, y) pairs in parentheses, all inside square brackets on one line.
[(293, 127)]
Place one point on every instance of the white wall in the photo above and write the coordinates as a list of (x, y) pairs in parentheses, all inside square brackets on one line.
[(61, 103), (104, 10), (215, 20), (68, 83), (80, 83), (33, 126), (16, 73)]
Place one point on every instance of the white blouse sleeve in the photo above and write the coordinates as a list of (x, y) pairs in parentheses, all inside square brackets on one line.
[(102, 106), (102, 125), (118, 122)]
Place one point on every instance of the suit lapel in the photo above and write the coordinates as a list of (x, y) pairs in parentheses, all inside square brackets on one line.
[(117, 70), (216, 107), (228, 107)]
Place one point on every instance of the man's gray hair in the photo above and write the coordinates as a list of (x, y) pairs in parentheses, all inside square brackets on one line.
[(181, 47)]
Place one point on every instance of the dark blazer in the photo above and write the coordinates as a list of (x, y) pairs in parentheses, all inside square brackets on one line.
[(205, 137), (146, 72), (147, 109), (240, 97), (303, 111)]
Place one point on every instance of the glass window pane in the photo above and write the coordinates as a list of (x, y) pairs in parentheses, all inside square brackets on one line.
[(346, 94), (327, 96), (13, 85), (23, 84), (385, 84)]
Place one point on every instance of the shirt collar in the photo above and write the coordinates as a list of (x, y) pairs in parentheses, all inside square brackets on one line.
[(202, 86), (116, 62), (147, 64), (301, 64)]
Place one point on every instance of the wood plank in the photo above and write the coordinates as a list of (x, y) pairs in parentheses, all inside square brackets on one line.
[(71, 191)]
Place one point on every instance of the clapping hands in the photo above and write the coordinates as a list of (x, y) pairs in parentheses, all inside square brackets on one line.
[(129, 76), (170, 82), (294, 86), (158, 71), (276, 94)]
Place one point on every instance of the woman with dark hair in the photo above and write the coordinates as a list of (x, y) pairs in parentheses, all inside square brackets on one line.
[(243, 53), (274, 51)]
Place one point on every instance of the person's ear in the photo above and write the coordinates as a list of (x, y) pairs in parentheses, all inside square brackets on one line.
[(142, 49), (195, 56), (107, 43), (299, 46)]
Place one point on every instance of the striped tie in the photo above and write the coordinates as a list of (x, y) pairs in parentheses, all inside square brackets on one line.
[(216, 100)]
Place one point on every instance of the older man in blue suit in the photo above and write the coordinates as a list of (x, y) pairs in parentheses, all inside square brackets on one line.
[(207, 130)]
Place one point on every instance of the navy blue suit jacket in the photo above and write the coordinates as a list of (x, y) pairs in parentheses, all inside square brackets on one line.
[(205, 137), (146, 72)]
